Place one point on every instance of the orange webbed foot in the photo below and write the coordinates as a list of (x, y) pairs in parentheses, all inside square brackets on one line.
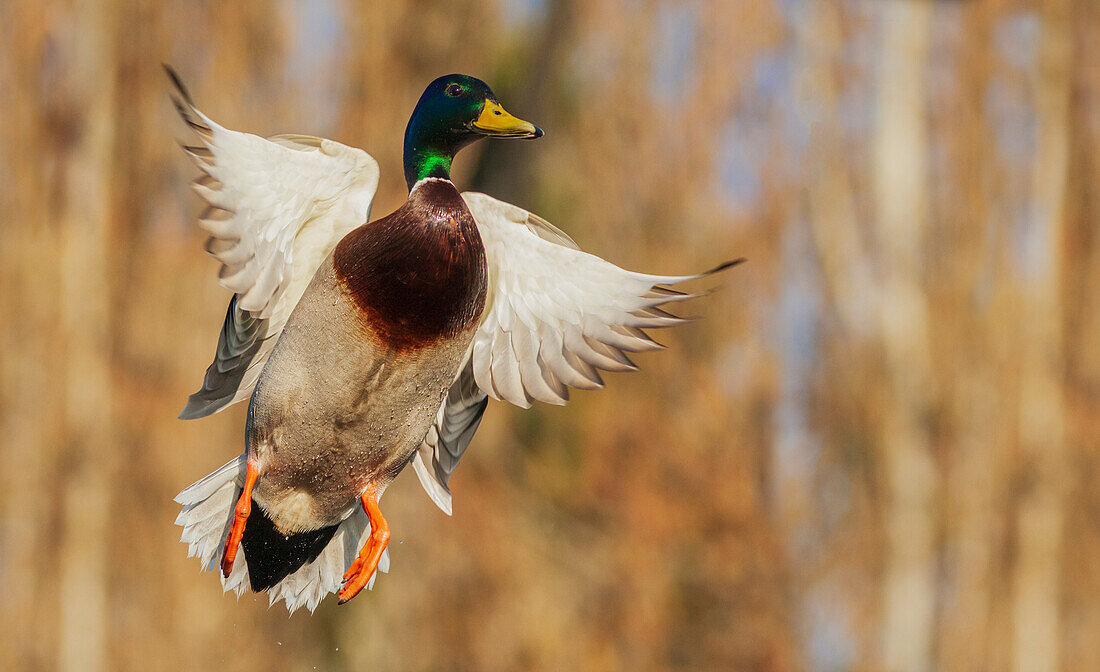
[(366, 563), (240, 517)]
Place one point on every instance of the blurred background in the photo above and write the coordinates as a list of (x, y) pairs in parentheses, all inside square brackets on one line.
[(879, 450)]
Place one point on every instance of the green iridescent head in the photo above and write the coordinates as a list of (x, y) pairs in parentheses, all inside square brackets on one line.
[(453, 112)]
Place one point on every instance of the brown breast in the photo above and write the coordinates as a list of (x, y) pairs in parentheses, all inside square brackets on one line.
[(418, 274)]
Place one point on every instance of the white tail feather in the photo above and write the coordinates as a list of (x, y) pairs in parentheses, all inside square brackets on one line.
[(208, 512)]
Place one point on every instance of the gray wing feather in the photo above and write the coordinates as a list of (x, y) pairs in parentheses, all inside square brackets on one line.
[(243, 347), (446, 441)]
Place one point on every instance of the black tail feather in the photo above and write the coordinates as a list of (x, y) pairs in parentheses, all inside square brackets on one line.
[(271, 555)]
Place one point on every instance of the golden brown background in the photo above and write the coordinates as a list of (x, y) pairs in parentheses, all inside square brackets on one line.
[(880, 450)]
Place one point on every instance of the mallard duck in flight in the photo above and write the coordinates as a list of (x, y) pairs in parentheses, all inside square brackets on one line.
[(363, 347)]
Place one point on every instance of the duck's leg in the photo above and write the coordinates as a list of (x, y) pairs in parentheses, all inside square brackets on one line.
[(357, 576), (240, 517)]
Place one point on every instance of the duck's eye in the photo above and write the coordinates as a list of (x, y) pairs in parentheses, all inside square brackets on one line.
[(455, 90)]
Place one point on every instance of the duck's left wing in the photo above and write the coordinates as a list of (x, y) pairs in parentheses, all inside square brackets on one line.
[(554, 317)]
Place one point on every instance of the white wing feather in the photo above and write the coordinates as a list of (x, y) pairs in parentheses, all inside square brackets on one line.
[(276, 208), (555, 316)]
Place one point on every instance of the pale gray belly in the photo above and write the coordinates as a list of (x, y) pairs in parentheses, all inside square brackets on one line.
[(335, 410)]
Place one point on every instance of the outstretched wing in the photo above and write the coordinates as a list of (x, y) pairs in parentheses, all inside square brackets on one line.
[(555, 316), (275, 209)]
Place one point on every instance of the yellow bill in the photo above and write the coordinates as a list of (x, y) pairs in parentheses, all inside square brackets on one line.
[(495, 121)]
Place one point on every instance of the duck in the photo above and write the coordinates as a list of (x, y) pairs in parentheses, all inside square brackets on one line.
[(364, 346)]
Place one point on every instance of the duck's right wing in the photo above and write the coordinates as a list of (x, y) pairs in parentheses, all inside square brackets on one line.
[(275, 209)]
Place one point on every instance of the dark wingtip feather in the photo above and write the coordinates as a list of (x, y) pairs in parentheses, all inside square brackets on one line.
[(665, 291), (728, 264), (178, 83), (185, 106)]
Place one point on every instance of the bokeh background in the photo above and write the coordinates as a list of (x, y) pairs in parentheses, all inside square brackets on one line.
[(879, 450)]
